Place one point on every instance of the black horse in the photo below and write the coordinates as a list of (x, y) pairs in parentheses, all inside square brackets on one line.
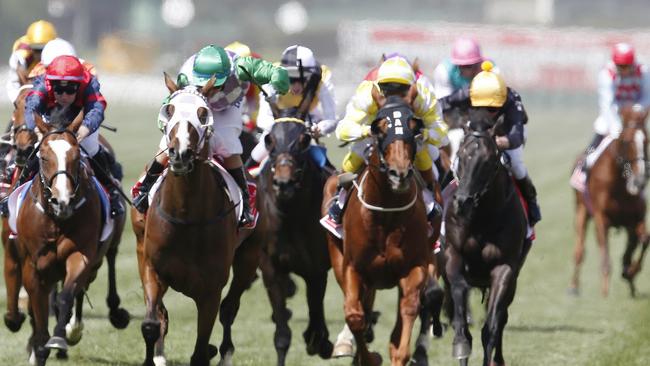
[(485, 233)]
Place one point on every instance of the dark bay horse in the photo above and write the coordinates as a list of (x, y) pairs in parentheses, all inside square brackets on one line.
[(485, 233), (614, 198), (290, 195), (188, 238), (59, 226), (385, 242)]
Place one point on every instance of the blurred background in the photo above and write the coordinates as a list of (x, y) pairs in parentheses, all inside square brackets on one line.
[(549, 50)]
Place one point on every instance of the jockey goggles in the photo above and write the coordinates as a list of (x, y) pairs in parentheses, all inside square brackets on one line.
[(69, 88)]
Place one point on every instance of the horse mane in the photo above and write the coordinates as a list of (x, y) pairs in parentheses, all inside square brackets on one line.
[(59, 119), (480, 120)]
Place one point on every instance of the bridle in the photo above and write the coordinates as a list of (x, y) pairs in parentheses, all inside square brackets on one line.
[(475, 197)]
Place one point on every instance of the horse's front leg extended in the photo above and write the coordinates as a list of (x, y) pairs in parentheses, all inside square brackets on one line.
[(154, 290), (410, 288), (118, 316), (602, 226), (39, 312), (502, 292), (77, 268), (13, 318), (462, 344), (354, 291), (581, 219)]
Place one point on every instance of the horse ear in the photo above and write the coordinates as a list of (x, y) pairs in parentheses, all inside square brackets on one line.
[(412, 94), (379, 127), (23, 75), (40, 124), (206, 88), (416, 65), (76, 122), (171, 85), (379, 98)]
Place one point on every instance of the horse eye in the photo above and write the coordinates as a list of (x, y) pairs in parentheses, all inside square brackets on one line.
[(202, 114)]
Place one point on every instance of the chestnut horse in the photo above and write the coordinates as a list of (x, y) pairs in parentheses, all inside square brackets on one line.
[(485, 232), (290, 195), (59, 228), (188, 238), (614, 198), (385, 242)]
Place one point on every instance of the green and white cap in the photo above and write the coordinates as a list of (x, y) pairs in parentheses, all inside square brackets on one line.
[(210, 60)]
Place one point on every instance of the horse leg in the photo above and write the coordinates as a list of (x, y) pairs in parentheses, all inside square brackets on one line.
[(605, 265), (244, 266), (316, 335), (154, 290), (13, 318), (39, 312), (354, 291), (344, 346), (501, 294), (581, 220), (74, 328), (410, 288), (430, 307), (273, 281), (76, 274), (462, 344), (207, 313), (118, 316)]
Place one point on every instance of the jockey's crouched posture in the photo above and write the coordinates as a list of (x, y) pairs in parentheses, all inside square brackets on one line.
[(67, 84), (225, 101), (394, 77), (489, 91)]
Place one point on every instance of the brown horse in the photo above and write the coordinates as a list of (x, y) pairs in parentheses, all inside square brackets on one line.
[(485, 232), (188, 237), (614, 198), (385, 241), (59, 227), (290, 195)]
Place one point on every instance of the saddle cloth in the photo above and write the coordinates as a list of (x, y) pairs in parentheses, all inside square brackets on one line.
[(578, 178), (17, 198), (231, 188)]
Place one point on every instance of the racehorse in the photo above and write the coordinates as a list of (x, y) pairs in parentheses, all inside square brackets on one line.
[(59, 231), (291, 191), (614, 198), (385, 241), (188, 237), (485, 232)]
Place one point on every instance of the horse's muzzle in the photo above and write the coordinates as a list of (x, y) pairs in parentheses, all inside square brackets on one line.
[(60, 210), (22, 156), (464, 206), (181, 164), (399, 180)]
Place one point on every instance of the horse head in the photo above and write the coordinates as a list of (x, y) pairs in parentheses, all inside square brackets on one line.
[(288, 144), (395, 131), (478, 162), (632, 147), (24, 139), (60, 162), (187, 121)]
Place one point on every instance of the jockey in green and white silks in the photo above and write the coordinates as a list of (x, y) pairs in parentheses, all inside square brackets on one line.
[(225, 101)]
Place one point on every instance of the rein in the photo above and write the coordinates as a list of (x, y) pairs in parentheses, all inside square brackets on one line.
[(359, 187)]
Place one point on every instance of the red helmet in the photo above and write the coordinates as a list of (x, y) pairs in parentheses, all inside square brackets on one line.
[(623, 54), (65, 67)]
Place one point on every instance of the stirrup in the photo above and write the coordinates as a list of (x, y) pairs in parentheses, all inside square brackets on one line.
[(141, 202)]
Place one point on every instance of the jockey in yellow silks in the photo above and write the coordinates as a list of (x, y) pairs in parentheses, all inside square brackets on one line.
[(394, 77)]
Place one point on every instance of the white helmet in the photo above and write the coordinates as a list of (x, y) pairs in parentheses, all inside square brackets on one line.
[(55, 48), (295, 56)]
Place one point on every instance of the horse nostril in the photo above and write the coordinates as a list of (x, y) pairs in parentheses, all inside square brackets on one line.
[(171, 152), (393, 172)]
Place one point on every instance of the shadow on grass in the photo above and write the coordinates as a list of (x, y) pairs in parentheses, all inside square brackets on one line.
[(104, 361), (553, 329)]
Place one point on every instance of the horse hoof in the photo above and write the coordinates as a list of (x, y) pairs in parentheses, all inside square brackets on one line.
[(291, 288), (119, 318), (57, 343), (326, 348), (14, 324), (461, 350), (74, 332), (494, 363), (159, 361), (419, 357), (226, 359), (343, 349), (62, 354), (374, 359), (212, 351), (437, 330)]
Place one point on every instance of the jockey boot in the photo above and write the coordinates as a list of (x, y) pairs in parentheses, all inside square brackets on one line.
[(141, 202), (336, 209), (530, 195), (105, 166), (247, 218), (595, 141)]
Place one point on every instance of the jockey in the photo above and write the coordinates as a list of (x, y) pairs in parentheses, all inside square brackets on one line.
[(394, 77), (252, 99), (300, 63), (67, 84), (225, 101), (53, 49), (26, 53), (621, 81), (452, 77), (489, 91)]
